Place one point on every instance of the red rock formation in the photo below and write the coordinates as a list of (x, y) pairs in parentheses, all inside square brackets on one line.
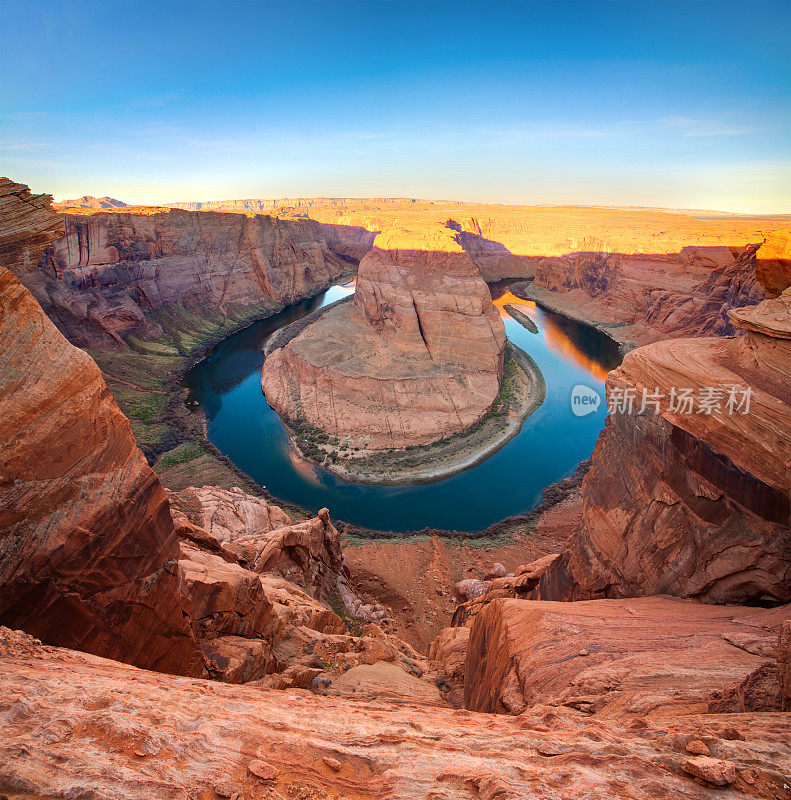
[(87, 549), (449, 650), (644, 656), (417, 357), (692, 504), (78, 724), (758, 691), (261, 627), (101, 280), (641, 298), (227, 514), (784, 664), (261, 536), (27, 225)]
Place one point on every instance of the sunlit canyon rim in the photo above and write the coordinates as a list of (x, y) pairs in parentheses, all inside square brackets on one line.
[(629, 639)]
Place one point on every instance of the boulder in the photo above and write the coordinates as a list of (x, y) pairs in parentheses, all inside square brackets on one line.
[(642, 657), (227, 514), (237, 659), (262, 538)]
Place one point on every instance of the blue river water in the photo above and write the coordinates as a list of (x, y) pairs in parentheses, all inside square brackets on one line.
[(552, 442)]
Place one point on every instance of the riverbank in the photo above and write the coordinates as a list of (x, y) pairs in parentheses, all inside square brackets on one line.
[(619, 332), (522, 391), (146, 381)]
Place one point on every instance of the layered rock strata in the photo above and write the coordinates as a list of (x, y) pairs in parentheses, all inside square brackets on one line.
[(417, 357), (648, 657), (692, 501), (641, 298), (78, 724), (27, 225), (87, 548), (92, 555), (111, 272)]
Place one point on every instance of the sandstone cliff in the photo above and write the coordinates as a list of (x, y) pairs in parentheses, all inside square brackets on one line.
[(417, 357), (78, 724), (686, 502), (641, 298), (27, 225), (101, 281), (652, 657), (87, 549)]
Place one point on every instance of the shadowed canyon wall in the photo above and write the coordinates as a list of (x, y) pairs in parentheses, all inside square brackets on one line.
[(688, 503), (87, 548), (100, 281)]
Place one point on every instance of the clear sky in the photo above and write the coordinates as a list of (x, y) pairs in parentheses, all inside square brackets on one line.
[(636, 103)]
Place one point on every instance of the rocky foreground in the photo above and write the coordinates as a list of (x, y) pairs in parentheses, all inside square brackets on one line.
[(417, 357), (78, 725)]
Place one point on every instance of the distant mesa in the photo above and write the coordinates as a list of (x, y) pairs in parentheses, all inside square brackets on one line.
[(88, 201)]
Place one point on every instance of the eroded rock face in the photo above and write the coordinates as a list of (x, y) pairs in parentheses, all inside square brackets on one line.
[(260, 536), (652, 296), (692, 504), (417, 357), (99, 282), (27, 225), (643, 656), (87, 549), (150, 736), (227, 514)]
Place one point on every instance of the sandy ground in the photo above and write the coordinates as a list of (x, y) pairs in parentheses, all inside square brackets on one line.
[(415, 577)]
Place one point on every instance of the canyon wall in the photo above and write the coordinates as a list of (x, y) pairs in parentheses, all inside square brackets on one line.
[(642, 298), (94, 557), (87, 548), (689, 501), (417, 357), (101, 280), (647, 273)]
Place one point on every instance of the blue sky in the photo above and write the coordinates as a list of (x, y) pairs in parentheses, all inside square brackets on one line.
[(665, 104)]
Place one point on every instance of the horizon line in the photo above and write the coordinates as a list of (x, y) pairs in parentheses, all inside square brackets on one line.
[(406, 198)]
